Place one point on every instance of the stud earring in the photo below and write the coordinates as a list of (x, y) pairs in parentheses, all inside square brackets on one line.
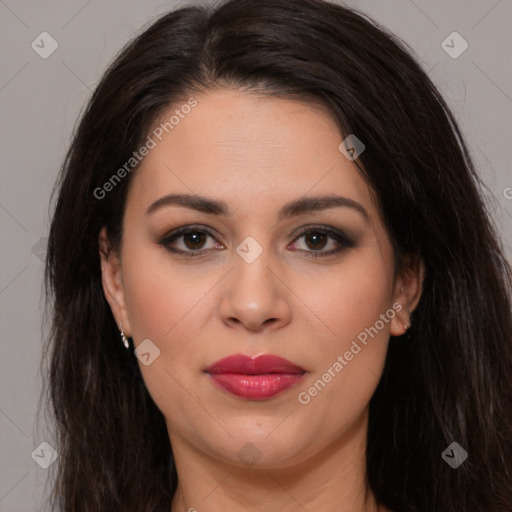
[(124, 338)]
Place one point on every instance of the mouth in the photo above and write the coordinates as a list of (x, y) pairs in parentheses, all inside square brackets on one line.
[(255, 378)]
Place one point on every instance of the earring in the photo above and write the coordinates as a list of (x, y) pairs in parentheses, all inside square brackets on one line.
[(407, 325), (124, 338)]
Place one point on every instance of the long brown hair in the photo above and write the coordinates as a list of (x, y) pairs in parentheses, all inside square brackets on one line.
[(449, 379)]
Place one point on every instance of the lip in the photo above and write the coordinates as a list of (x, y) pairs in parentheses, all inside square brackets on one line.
[(255, 378)]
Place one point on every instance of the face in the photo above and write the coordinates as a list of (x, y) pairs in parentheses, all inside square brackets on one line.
[(285, 255)]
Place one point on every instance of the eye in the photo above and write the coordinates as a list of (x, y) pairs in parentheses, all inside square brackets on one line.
[(191, 241), (318, 239)]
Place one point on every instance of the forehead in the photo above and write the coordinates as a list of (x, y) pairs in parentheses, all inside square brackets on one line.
[(246, 149)]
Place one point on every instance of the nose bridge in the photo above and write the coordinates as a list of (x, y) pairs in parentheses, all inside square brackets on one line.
[(254, 294), (251, 276)]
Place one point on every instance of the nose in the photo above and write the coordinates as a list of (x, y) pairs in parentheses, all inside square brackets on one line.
[(255, 296)]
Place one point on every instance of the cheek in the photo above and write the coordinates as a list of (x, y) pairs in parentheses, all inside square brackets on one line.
[(350, 302), (351, 297), (165, 305), (160, 296)]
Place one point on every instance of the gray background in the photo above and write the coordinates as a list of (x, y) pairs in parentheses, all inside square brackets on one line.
[(40, 100)]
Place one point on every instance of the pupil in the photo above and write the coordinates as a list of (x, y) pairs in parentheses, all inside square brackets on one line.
[(196, 238), (317, 238)]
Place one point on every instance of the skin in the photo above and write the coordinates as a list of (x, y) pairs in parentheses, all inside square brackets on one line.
[(257, 153)]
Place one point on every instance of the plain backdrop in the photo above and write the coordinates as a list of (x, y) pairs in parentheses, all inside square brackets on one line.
[(41, 98)]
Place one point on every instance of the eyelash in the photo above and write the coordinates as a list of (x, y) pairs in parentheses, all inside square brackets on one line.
[(340, 237)]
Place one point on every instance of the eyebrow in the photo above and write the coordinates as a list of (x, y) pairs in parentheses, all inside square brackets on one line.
[(293, 208)]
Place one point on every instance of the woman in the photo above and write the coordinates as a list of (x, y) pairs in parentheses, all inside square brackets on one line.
[(275, 285)]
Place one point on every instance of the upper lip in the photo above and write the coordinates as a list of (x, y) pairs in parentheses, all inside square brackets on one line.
[(259, 365)]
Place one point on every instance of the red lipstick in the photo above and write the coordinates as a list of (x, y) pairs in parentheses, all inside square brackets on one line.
[(255, 378)]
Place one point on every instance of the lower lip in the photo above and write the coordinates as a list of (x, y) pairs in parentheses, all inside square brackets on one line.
[(256, 387)]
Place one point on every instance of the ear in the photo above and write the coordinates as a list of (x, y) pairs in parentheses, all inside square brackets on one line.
[(407, 292), (112, 281)]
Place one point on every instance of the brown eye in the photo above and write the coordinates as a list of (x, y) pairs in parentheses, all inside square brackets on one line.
[(316, 240), (189, 241), (194, 239), (322, 242)]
